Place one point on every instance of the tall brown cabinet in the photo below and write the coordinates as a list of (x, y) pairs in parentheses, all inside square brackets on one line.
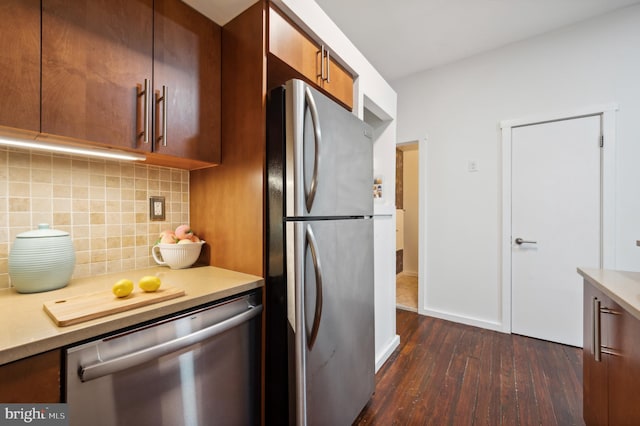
[(227, 202)]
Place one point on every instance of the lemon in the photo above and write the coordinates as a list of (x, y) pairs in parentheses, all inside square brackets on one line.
[(149, 283), (122, 288)]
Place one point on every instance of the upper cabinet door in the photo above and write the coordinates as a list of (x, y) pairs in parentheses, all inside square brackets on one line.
[(294, 48), (186, 82), (338, 82), (311, 60), (96, 55), (20, 64)]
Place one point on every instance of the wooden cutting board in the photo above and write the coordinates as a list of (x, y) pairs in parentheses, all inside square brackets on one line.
[(85, 307)]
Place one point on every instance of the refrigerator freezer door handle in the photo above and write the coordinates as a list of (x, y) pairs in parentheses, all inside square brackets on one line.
[(311, 242), (316, 158)]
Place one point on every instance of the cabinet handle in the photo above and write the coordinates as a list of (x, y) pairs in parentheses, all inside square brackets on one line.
[(145, 122), (610, 311), (322, 69), (598, 348), (597, 355), (325, 59), (610, 351), (164, 100), (328, 63)]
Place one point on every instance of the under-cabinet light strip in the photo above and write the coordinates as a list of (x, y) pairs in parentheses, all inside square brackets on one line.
[(53, 147)]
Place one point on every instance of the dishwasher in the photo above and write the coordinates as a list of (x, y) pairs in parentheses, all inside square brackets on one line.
[(199, 368)]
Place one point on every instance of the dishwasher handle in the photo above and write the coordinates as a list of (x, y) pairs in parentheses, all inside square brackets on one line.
[(123, 362)]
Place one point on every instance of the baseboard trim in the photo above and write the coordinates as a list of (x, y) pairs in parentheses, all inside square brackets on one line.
[(407, 273), (406, 308), (387, 351), (489, 325)]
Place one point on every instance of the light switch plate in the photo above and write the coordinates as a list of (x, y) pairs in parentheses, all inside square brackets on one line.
[(473, 165), (156, 208)]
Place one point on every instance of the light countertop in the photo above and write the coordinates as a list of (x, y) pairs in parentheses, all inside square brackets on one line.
[(621, 286), (26, 329)]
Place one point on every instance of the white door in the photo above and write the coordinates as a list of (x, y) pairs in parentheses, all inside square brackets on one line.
[(555, 225)]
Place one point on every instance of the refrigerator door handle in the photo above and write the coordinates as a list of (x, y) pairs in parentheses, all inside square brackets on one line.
[(312, 244), (299, 328), (310, 195)]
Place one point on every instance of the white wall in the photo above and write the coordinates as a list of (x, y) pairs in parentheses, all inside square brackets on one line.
[(410, 205), (460, 106), (375, 94)]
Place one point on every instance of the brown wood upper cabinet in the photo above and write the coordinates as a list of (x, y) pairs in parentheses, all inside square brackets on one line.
[(20, 64), (124, 74), (611, 361), (187, 55), (309, 58)]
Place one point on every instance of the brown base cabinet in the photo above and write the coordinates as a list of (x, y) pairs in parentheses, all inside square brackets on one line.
[(32, 380), (611, 361)]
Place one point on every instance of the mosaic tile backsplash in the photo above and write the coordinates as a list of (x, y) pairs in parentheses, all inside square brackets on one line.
[(103, 204)]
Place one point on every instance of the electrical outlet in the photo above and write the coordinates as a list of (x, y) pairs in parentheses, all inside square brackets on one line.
[(156, 208)]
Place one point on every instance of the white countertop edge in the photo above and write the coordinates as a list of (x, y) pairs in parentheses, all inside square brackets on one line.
[(623, 287)]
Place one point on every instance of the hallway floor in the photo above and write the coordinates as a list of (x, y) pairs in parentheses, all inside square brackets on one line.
[(407, 292), (445, 373)]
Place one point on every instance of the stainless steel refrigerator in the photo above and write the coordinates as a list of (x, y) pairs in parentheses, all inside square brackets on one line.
[(319, 293)]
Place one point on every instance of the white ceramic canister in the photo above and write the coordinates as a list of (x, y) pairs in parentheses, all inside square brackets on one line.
[(41, 260)]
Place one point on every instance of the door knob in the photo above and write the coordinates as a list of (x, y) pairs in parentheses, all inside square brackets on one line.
[(520, 241)]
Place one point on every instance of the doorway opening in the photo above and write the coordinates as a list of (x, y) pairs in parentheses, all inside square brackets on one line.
[(407, 227)]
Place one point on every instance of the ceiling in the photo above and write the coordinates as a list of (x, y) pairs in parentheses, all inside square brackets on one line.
[(220, 11), (403, 37)]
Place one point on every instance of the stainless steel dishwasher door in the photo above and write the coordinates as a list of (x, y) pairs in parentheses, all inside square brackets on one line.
[(201, 368)]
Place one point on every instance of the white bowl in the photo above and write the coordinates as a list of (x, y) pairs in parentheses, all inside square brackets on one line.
[(177, 256)]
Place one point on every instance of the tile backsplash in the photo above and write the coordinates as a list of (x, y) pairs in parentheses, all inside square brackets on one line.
[(103, 204)]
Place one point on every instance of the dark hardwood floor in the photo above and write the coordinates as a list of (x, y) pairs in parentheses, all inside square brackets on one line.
[(445, 373)]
